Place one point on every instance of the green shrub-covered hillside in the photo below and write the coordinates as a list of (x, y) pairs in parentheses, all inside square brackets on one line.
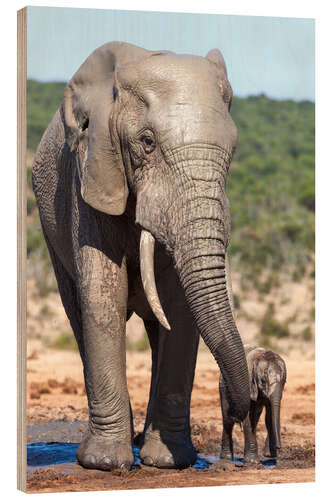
[(43, 100), (270, 185)]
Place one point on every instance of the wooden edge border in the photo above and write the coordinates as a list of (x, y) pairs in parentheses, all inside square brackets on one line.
[(21, 246)]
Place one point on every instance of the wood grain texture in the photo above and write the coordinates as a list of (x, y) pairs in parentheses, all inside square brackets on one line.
[(21, 245)]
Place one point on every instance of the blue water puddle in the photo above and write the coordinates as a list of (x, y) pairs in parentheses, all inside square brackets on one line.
[(203, 462), (39, 454), (51, 453)]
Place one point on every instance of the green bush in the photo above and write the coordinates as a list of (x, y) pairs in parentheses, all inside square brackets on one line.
[(65, 341), (271, 185), (31, 204), (307, 198), (236, 300), (272, 281), (43, 99), (270, 327), (45, 311), (35, 241), (29, 178), (306, 334), (142, 344)]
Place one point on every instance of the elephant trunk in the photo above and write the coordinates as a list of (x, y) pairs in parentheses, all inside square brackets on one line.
[(202, 272), (196, 229), (275, 401)]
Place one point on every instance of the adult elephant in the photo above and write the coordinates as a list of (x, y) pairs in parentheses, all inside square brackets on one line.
[(141, 145)]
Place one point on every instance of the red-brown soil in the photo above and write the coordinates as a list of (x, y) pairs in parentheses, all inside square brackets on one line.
[(56, 392)]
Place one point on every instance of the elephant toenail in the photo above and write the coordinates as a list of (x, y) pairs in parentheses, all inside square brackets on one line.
[(148, 461), (167, 462), (90, 460), (107, 462)]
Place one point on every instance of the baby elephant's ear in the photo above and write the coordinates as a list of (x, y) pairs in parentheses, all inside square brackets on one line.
[(253, 388), (252, 366)]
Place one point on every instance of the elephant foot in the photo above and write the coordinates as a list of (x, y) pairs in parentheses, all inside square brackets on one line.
[(97, 452), (165, 453), (226, 455), (267, 453), (251, 459), (224, 465)]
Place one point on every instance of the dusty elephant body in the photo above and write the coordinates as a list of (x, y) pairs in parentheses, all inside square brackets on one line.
[(140, 147), (268, 374)]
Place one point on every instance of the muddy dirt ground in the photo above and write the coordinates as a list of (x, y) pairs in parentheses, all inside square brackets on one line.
[(56, 392)]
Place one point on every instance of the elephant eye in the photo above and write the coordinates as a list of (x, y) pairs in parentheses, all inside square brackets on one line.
[(148, 143), (85, 124)]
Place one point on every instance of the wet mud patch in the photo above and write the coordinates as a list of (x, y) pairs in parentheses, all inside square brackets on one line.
[(51, 443), (52, 464), (56, 431)]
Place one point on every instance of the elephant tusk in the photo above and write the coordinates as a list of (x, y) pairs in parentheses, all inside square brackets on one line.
[(147, 244)]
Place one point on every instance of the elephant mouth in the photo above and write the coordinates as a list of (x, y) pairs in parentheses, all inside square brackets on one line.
[(147, 246)]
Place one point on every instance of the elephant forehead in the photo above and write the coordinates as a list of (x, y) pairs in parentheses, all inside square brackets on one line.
[(170, 74)]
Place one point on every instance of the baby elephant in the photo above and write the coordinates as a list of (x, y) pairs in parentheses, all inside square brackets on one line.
[(268, 373)]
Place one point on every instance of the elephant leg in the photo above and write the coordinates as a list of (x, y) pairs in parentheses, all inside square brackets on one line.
[(269, 447), (167, 440), (152, 329), (266, 451), (103, 293), (250, 437), (227, 451)]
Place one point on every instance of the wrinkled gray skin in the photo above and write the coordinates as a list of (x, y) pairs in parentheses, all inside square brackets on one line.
[(268, 374), (142, 141)]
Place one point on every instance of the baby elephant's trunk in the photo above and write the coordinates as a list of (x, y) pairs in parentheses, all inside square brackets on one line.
[(275, 401)]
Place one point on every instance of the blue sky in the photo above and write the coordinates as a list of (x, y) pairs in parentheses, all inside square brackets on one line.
[(270, 55)]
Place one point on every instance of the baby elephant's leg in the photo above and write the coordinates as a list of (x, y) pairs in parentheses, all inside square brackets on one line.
[(250, 438), (270, 448), (266, 451), (227, 451)]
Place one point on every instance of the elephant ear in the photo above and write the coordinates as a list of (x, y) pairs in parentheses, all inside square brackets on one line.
[(89, 109), (216, 58), (253, 385), (283, 369)]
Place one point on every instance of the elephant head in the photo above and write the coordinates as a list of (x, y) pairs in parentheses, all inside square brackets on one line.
[(157, 124), (268, 377)]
